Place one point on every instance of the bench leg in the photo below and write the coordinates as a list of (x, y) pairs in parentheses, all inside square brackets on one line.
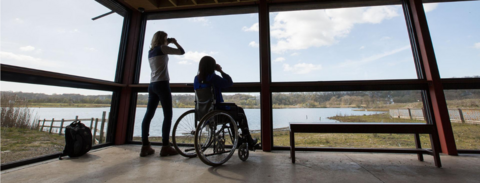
[(292, 146), (418, 146), (436, 156)]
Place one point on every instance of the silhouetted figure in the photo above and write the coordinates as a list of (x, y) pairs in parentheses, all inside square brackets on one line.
[(206, 77), (159, 91)]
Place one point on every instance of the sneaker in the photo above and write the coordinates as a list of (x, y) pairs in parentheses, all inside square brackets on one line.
[(146, 150), (168, 150)]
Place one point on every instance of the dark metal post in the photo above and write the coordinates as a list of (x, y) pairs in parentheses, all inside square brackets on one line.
[(265, 76), (128, 78), (418, 145), (432, 75)]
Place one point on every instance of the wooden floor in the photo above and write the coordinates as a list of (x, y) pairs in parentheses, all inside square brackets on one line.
[(123, 164)]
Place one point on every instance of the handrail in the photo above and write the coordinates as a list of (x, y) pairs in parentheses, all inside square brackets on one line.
[(54, 75)]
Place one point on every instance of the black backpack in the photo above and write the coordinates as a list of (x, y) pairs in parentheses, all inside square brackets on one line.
[(78, 140)]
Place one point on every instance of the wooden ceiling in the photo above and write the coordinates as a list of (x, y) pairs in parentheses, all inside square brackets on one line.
[(159, 5)]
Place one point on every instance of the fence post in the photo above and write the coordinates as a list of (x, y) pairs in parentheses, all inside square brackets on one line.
[(101, 128), (409, 113), (61, 127), (91, 123), (461, 115), (39, 121), (43, 124), (76, 118), (94, 131), (51, 126)]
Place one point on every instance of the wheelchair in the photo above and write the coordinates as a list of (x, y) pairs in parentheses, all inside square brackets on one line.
[(210, 133)]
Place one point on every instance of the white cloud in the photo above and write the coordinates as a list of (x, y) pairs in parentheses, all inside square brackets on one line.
[(202, 20), (299, 30), (301, 68), (253, 28), (477, 45), (352, 63), (8, 55), (27, 48), (253, 44), (429, 6), (294, 54), (279, 59), (19, 20), (195, 55), (362, 47), (199, 19), (12, 58)]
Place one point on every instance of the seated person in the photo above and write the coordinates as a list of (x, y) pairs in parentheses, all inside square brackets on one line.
[(206, 77)]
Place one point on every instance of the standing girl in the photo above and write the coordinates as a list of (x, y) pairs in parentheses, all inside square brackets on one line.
[(159, 91)]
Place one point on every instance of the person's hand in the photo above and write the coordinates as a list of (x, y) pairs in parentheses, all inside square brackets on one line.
[(218, 68), (174, 41)]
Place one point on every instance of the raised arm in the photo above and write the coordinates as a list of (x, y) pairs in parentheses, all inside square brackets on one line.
[(222, 82), (173, 51)]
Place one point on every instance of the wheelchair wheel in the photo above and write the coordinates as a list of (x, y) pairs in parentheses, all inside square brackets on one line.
[(243, 152), (216, 138), (183, 135)]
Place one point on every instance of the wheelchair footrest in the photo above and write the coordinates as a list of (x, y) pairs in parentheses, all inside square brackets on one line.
[(255, 147)]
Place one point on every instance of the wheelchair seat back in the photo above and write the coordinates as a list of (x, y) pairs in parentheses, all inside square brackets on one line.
[(204, 101)]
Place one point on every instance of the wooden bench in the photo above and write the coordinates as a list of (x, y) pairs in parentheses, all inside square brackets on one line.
[(398, 128)]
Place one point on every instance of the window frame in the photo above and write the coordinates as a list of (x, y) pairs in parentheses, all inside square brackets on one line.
[(33, 76)]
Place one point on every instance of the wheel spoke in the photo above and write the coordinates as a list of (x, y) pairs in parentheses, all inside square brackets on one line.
[(221, 144), (182, 134)]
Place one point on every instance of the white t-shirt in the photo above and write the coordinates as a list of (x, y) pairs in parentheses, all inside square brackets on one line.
[(158, 58)]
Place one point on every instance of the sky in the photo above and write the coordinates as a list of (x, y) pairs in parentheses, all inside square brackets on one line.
[(366, 43)]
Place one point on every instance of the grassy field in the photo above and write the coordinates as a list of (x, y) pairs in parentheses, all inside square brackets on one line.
[(18, 144), (467, 136)]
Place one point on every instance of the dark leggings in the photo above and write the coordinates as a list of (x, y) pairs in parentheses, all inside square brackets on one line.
[(243, 124), (158, 92)]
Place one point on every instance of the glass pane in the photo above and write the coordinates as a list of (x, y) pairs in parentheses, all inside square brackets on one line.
[(464, 111), (364, 43), (454, 29), (182, 102), (61, 37), (226, 38), (351, 107), (27, 112)]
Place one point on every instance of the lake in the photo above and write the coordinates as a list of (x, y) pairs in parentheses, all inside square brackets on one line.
[(281, 117)]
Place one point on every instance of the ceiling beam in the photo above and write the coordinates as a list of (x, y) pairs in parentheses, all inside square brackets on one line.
[(174, 3)]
